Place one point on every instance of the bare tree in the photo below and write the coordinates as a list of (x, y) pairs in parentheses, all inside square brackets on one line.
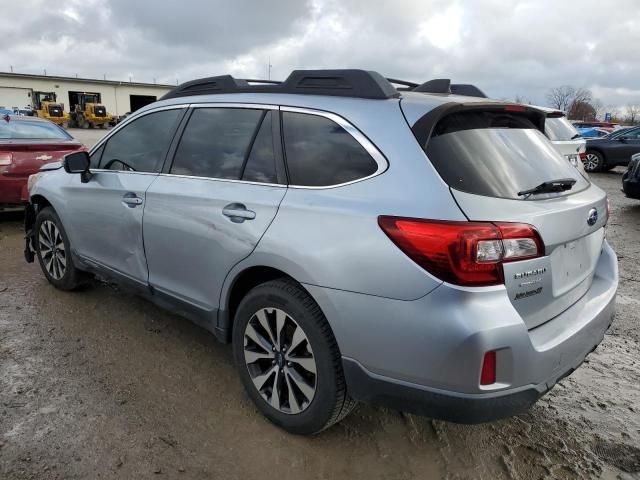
[(600, 108), (633, 113), (561, 97), (523, 100), (582, 95)]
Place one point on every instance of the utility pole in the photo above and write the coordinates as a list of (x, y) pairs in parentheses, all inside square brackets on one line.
[(45, 72), (269, 69), (11, 67)]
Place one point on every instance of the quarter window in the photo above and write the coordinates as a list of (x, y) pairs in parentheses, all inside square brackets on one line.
[(141, 146), (320, 152), (94, 159), (216, 142)]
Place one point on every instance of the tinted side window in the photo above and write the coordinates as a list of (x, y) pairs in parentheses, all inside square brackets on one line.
[(94, 159), (320, 152), (141, 145), (261, 164), (216, 142)]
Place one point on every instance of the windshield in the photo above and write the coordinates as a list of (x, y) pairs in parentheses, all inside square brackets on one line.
[(498, 156), (19, 130), (559, 129)]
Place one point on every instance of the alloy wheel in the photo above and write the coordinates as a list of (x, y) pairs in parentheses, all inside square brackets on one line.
[(280, 360), (591, 162), (52, 251)]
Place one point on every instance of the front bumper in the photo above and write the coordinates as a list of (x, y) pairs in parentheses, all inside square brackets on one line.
[(425, 356)]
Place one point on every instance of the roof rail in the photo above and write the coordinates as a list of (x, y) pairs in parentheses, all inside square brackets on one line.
[(438, 85), (444, 85), (341, 83), (467, 90), (406, 85)]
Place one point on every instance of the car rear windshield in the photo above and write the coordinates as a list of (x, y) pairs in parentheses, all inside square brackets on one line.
[(21, 130), (496, 154), (560, 129)]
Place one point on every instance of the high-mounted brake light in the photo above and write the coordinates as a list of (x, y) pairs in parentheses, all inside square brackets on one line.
[(463, 253), (5, 158), (514, 108)]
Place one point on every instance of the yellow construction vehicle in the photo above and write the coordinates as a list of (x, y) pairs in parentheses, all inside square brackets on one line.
[(46, 106), (89, 112)]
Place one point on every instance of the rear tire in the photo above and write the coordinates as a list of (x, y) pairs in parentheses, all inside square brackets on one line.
[(288, 358), (593, 161), (54, 252)]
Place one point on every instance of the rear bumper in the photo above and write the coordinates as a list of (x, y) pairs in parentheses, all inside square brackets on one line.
[(13, 190), (425, 356)]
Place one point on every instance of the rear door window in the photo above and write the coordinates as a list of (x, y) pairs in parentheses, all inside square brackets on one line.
[(319, 152), (216, 142), (260, 166), (496, 154), (31, 130)]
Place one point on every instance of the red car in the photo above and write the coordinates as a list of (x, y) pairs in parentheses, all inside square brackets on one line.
[(27, 143)]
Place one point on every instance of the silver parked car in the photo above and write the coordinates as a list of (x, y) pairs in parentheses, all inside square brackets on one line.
[(405, 247)]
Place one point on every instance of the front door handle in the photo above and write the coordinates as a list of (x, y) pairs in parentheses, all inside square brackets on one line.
[(238, 213), (131, 200)]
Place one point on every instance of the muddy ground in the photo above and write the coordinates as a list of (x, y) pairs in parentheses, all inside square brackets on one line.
[(101, 384)]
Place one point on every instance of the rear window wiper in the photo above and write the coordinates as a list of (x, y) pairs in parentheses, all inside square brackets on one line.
[(577, 135), (560, 185)]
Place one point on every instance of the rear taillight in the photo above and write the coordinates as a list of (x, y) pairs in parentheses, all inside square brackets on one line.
[(5, 158), (463, 253), (583, 155), (606, 220)]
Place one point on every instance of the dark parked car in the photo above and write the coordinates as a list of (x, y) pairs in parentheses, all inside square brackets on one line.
[(631, 178), (609, 152)]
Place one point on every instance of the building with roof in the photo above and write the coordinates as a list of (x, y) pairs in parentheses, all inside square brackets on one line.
[(17, 90)]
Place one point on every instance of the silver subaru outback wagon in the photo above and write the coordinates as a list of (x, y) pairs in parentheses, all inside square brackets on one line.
[(354, 241)]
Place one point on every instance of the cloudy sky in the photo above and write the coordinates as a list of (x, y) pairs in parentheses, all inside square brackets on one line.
[(506, 47)]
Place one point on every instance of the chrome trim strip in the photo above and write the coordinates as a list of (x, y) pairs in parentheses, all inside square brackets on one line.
[(230, 180), (257, 106), (371, 149), (128, 172)]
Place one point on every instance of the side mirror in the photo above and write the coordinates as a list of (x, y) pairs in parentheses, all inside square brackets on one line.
[(78, 162), (622, 139)]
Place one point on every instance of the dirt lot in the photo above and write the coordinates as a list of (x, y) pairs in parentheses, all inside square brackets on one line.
[(101, 384)]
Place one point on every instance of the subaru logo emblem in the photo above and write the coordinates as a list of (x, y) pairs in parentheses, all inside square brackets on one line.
[(593, 217)]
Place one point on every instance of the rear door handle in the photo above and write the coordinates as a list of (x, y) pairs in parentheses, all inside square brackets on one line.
[(238, 213), (131, 200)]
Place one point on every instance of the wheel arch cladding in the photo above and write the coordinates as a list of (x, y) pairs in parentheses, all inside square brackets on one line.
[(241, 284)]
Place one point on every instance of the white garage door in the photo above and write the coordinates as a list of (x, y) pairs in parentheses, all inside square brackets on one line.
[(11, 97)]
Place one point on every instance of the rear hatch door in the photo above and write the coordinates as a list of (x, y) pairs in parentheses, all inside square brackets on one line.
[(489, 158)]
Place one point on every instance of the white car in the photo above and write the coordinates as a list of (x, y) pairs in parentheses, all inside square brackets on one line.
[(565, 138)]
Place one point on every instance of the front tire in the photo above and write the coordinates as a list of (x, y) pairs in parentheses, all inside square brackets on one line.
[(593, 161), (288, 358), (54, 251)]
